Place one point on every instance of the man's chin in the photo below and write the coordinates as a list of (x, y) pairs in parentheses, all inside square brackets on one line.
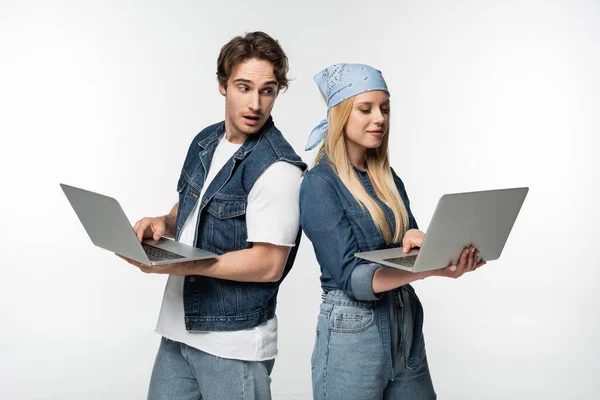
[(252, 129)]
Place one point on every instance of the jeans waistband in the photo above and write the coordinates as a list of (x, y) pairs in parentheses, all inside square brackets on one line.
[(338, 297)]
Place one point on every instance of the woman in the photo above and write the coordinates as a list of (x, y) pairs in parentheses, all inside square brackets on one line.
[(369, 341)]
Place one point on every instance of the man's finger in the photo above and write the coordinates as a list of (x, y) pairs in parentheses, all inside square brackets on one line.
[(156, 230), (140, 231), (144, 224)]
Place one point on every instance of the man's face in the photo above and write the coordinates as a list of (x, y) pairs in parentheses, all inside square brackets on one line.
[(249, 97)]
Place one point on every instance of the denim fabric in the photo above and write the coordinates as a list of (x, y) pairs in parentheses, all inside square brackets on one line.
[(212, 304), (184, 373), (349, 358), (339, 227)]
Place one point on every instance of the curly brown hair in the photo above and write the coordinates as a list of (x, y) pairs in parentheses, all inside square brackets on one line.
[(254, 45)]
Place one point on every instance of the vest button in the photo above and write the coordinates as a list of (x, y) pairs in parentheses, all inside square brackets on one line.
[(188, 325), (192, 279)]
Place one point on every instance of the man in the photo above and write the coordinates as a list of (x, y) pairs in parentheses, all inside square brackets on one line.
[(238, 197)]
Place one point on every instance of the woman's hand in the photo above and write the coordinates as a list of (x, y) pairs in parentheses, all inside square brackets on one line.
[(412, 238), (467, 262)]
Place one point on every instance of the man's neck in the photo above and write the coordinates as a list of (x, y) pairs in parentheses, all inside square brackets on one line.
[(233, 135)]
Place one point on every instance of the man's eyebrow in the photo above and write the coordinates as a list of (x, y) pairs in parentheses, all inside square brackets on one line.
[(242, 80)]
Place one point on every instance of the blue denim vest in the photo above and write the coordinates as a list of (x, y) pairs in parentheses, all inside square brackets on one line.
[(355, 231), (212, 304)]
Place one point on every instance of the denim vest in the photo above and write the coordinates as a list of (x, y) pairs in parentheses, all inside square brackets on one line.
[(338, 226), (213, 304)]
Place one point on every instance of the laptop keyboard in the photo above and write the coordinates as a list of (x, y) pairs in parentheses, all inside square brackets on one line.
[(156, 254), (408, 261)]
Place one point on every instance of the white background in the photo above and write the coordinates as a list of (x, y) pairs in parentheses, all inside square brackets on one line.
[(484, 95)]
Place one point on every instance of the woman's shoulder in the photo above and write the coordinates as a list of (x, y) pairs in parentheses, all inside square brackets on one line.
[(324, 171), (321, 178), (396, 178)]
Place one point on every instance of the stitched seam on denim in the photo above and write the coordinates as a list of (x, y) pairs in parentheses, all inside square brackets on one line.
[(218, 130), (228, 215), (244, 317), (187, 358), (357, 330), (316, 350), (349, 304), (245, 380), (326, 362), (325, 179), (273, 148), (227, 197), (190, 181)]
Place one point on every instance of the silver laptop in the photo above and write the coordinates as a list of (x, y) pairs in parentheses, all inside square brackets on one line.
[(482, 219), (108, 227)]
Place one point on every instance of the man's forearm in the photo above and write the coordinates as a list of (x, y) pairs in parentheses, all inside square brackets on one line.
[(261, 263)]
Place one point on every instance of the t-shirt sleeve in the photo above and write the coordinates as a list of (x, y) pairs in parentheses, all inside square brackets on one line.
[(273, 211)]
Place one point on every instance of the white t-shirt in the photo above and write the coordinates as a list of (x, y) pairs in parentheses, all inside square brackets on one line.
[(272, 216)]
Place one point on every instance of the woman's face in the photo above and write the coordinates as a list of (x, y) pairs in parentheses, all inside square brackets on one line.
[(368, 120)]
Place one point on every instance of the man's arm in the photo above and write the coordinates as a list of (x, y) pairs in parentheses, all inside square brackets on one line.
[(272, 219), (264, 262)]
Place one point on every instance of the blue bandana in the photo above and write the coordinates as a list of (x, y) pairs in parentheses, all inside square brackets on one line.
[(339, 82)]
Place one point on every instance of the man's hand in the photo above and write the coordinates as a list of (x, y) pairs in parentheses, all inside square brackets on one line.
[(183, 268), (147, 228)]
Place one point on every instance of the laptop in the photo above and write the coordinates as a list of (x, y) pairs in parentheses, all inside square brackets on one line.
[(108, 227), (483, 219)]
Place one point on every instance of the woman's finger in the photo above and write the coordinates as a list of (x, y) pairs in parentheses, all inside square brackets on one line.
[(462, 262), (471, 262)]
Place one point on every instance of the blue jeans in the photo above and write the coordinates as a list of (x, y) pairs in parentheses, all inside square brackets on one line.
[(184, 373), (348, 359)]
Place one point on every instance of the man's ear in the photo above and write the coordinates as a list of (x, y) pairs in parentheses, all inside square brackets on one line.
[(222, 89)]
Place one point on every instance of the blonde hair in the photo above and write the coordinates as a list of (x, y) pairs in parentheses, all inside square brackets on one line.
[(377, 161)]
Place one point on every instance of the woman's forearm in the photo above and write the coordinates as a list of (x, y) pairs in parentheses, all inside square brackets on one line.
[(385, 279)]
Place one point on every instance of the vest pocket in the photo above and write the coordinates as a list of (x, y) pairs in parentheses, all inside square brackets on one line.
[(227, 224), (223, 209)]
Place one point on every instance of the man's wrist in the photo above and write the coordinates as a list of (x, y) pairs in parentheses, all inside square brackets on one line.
[(169, 224)]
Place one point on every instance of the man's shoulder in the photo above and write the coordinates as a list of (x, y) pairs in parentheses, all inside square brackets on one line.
[(282, 172), (279, 145)]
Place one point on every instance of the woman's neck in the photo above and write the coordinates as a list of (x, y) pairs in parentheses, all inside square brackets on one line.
[(356, 154)]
